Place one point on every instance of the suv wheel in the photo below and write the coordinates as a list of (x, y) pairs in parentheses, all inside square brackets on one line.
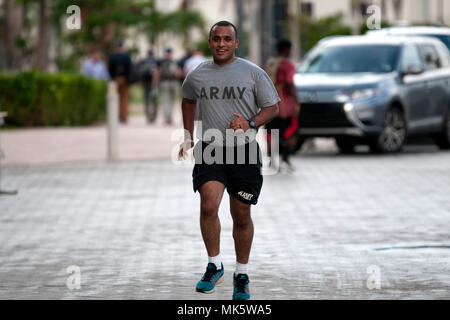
[(393, 136), (442, 139), (345, 144)]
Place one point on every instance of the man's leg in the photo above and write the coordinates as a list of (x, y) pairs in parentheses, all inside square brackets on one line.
[(122, 88), (146, 87), (171, 100), (242, 229), (211, 193), (243, 237), (165, 98)]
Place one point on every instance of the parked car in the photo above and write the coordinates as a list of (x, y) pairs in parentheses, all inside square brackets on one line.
[(376, 91), (440, 33)]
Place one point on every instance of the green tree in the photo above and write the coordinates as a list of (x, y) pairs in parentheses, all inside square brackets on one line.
[(312, 31), (179, 22)]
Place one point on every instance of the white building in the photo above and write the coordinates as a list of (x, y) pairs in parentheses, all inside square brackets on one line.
[(394, 11), (411, 11)]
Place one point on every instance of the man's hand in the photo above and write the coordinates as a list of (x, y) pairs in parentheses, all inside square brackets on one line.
[(239, 123), (184, 147)]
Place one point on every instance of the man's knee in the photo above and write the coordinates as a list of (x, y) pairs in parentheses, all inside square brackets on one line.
[(209, 208)]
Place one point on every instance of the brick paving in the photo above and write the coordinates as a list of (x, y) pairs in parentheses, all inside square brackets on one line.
[(323, 232)]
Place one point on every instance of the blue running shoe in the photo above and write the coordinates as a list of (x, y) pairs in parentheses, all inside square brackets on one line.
[(241, 290), (210, 279)]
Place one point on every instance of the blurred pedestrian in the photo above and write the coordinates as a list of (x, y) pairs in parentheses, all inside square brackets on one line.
[(119, 69), (149, 74), (232, 95), (182, 62), (168, 84), (281, 70), (95, 67), (192, 63)]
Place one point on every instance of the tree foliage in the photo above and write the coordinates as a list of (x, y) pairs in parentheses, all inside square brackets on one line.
[(103, 22), (312, 31)]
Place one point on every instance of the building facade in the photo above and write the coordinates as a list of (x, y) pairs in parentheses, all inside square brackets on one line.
[(262, 22)]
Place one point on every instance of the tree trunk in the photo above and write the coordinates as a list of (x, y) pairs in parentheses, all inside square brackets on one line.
[(294, 29), (13, 17), (356, 17), (398, 4), (107, 38), (43, 46), (240, 51), (185, 4), (383, 9)]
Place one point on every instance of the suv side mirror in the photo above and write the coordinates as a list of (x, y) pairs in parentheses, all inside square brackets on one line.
[(413, 70)]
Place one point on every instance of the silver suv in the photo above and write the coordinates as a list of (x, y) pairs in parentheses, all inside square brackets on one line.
[(375, 91), (440, 33)]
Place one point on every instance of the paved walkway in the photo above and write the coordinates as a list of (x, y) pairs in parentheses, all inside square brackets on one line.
[(137, 141), (340, 227)]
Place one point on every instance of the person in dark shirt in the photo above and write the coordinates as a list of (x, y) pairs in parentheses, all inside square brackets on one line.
[(149, 74), (119, 67), (182, 62), (169, 83)]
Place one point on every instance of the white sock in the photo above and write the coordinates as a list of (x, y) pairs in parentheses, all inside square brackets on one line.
[(241, 268), (217, 260)]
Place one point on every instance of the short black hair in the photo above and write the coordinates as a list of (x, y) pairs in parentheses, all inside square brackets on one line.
[(223, 23), (283, 45)]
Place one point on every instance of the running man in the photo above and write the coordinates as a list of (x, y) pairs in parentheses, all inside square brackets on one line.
[(233, 95)]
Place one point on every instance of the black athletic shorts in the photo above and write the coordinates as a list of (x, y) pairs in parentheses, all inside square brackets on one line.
[(241, 174)]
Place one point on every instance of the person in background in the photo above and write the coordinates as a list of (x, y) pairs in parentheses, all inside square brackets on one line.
[(119, 67), (149, 74), (281, 70), (182, 62), (95, 68), (193, 61), (168, 84)]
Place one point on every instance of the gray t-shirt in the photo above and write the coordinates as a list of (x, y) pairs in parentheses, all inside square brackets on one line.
[(239, 87)]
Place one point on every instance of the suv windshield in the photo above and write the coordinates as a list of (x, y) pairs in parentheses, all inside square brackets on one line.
[(352, 59)]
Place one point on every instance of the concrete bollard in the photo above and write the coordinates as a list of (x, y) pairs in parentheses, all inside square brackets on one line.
[(113, 121)]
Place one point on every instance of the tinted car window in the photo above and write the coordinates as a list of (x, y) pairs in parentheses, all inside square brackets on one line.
[(444, 38), (350, 59), (430, 56), (411, 57), (444, 55)]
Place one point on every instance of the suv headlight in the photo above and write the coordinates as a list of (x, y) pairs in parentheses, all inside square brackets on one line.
[(357, 94)]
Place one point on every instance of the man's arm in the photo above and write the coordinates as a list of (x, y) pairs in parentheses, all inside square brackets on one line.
[(188, 108), (264, 116)]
